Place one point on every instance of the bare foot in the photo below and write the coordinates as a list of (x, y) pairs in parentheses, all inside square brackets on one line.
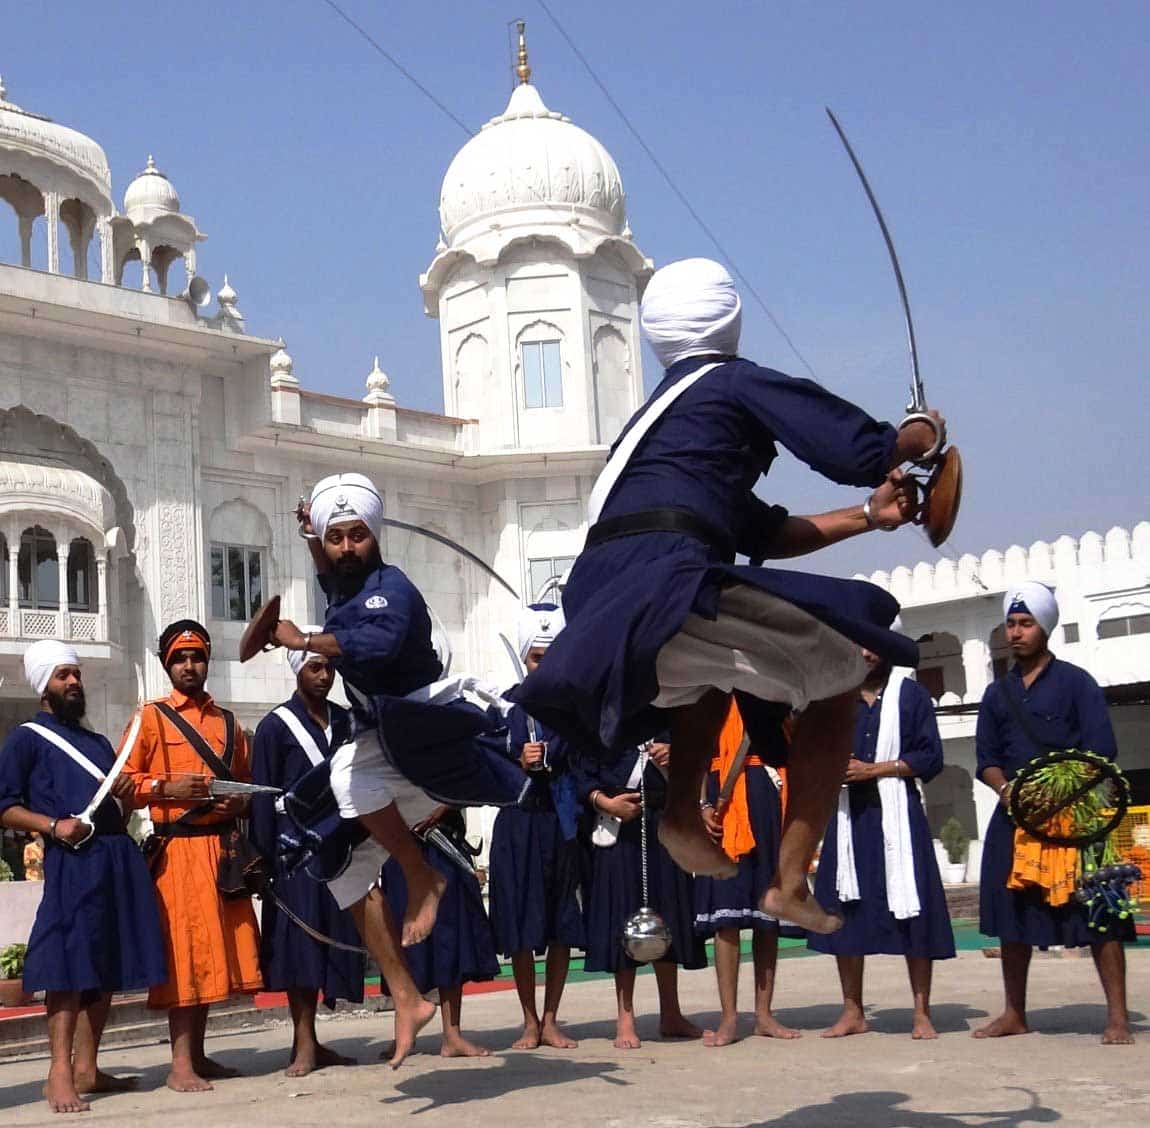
[(678, 1026), (626, 1036), (770, 1027), (1117, 1034), (849, 1022), (693, 850), (800, 908), (1003, 1026), (529, 1039), (101, 1082), (206, 1067), (923, 1029), (457, 1046), (408, 1023), (184, 1079), (60, 1091), (424, 891), (551, 1034), (726, 1034), (310, 1058)]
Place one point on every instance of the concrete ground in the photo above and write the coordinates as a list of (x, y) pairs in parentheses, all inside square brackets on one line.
[(1061, 1074)]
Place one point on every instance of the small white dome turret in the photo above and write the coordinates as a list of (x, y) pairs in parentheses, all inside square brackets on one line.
[(151, 190)]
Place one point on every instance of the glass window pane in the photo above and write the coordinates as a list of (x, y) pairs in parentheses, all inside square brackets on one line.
[(1139, 624), (532, 376), (47, 579), (24, 573), (1070, 632), (80, 575), (552, 374), (237, 596), (255, 582), (540, 574), (3, 571), (219, 604), (1112, 628)]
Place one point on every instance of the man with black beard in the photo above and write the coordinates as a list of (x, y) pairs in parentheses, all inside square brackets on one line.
[(97, 930), (419, 738)]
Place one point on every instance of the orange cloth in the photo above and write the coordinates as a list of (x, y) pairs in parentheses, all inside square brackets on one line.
[(738, 837), (1042, 865), (212, 944)]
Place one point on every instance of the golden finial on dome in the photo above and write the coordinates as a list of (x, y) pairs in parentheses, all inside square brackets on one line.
[(522, 68)]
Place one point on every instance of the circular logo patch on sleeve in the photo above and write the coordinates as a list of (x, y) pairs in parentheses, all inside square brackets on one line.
[(375, 602)]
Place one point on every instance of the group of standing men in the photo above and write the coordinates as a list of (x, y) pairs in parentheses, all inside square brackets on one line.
[(679, 683)]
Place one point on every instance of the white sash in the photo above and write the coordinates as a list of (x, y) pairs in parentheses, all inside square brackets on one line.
[(67, 747), (607, 827), (303, 738), (605, 483)]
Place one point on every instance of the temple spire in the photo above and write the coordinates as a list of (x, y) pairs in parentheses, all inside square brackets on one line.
[(523, 68)]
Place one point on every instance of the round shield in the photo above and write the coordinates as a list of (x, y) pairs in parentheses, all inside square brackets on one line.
[(258, 632), (943, 496)]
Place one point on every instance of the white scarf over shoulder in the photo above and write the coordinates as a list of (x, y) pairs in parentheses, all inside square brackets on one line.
[(898, 851)]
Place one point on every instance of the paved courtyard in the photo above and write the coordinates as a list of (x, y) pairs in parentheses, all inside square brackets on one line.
[(882, 1080)]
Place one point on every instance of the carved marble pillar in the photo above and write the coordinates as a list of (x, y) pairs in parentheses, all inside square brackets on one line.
[(13, 535), (27, 223), (52, 218), (62, 547), (976, 667), (102, 594), (145, 249), (107, 261)]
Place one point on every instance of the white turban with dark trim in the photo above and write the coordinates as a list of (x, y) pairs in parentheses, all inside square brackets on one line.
[(41, 660), (691, 308), (538, 626), (343, 498), (1034, 599), (297, 659)]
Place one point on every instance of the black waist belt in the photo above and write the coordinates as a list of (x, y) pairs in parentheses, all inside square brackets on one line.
[(191, 830), (666, 519)]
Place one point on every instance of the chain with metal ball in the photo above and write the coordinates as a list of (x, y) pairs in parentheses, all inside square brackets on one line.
[(646, 937)]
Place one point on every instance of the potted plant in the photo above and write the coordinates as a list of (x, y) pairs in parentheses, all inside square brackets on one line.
[(12, 993), (955, 842)]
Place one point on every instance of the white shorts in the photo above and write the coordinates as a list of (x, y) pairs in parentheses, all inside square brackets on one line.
[(761, 644), (364, 780)]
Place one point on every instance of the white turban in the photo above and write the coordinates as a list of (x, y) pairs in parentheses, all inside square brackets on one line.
[(342, 498), (1034, 599), (41, 660), (538, 626), (297, 659), (691, 308)]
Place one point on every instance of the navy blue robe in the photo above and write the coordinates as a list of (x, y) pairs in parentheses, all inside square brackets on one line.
[(1066, 709), (614, 890), (289, 957), (869, 927), (461, 947), (98, 927), (450, 750), (627, 597), (534, 869)]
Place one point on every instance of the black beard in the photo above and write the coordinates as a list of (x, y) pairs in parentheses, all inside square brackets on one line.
[(69, 708), (351, 572)]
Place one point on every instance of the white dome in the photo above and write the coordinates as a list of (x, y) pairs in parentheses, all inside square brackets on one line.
[(530, 160), (152, 190), (34, 136)]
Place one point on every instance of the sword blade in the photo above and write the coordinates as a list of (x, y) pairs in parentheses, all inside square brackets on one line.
[(431, 534), (89, 813), (917, 397), (219, 788)]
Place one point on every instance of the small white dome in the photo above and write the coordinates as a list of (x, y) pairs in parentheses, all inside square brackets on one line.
[(153, 190), (530, 159)]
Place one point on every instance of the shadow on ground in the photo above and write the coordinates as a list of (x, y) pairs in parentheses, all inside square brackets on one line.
[(881, 1109)]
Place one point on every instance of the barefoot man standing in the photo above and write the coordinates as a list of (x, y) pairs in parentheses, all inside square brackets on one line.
[(661, 620)]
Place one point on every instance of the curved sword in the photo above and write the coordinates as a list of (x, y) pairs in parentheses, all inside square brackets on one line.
[(396, 523), (917, 403)]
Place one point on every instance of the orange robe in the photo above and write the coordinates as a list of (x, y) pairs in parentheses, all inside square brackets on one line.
[(212, 944)]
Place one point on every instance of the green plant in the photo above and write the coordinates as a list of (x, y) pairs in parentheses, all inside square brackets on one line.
[(6, 873), (12, 961), (955, 841)]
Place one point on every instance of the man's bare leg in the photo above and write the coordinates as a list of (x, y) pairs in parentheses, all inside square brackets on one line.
[(206, 1066), (424, 886), (451, 1010), (727, 977), (822, 744), (413, 1012), (184, 1026), (765, 950), (1110, 960), (550, 1032), (626, 1036), (523, 968), (307, 1054), (853, 1018), (1015, 969), (60, 1089), (921, 971), (695, 733), (672, 1022), (87, 1074)]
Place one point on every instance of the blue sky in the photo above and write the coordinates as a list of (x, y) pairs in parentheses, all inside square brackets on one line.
[(1006, 143)]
